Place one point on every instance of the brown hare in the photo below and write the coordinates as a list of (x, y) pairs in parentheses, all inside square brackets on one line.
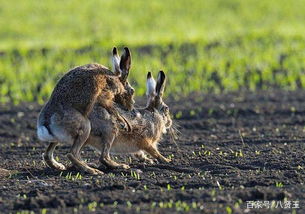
[(148, 125), (64, 118)]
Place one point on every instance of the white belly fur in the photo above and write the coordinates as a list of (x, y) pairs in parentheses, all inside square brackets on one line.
[(123, 145), (120, 145)]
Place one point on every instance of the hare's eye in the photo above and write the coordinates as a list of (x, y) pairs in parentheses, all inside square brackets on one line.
[(130, 90), (165, 108)]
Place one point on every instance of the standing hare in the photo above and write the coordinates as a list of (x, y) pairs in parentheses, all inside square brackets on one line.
[(64, 118), (148, 125)]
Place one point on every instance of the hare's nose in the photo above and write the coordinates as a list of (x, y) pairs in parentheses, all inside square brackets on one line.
[(131, 91)]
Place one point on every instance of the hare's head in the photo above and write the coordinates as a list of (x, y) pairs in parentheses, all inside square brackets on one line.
[(154, 94), (121, 67)]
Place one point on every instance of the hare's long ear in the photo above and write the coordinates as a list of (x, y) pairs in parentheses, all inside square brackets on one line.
[(116, 62), (160, 83), (125, 64), (150, 85)]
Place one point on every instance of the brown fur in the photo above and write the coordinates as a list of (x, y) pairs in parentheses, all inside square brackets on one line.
[(65, 116), (148, 124), (81, 88)]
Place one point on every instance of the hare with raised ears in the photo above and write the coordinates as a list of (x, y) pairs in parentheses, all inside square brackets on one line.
[(148, 125), (64, 118)]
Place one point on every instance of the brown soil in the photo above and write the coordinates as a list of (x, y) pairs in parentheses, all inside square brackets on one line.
[(232, 149)]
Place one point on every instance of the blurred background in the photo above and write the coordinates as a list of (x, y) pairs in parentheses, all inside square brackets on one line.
[(211, 46)]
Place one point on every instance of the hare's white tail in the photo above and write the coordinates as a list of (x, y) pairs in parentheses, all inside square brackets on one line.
[(44, 134)]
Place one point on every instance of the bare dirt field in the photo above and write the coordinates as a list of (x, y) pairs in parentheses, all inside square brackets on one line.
[(233, 148)]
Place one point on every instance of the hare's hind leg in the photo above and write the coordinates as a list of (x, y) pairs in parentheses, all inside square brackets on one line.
[(105, 153), (49, 159), (72, 127), (83, 166), (79, 141)]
